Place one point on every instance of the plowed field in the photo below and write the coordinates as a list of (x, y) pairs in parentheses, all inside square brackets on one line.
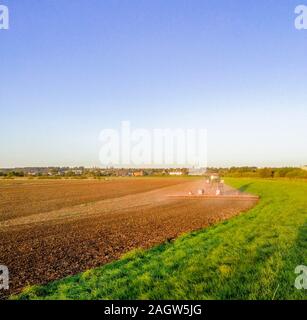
[(52, 229)]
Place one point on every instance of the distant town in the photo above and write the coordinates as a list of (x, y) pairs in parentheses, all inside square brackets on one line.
[(88, 172), (95, 172)]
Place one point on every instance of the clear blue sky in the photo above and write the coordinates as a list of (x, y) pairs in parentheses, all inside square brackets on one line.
[(70, 68)]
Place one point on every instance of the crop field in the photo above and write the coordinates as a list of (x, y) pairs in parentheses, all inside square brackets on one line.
[(250, 256), (55, 228)]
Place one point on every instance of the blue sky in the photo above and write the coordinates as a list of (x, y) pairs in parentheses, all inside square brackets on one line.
[(70, 68)]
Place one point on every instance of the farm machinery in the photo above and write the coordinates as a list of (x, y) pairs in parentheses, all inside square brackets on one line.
[(213, 187)]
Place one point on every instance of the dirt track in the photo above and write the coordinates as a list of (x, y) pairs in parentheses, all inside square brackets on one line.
[(52, 244)]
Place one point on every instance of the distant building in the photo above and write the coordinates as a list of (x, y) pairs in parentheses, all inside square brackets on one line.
[(175, 173), (122, 172), (77, 172), (197, 171), (138, 173)]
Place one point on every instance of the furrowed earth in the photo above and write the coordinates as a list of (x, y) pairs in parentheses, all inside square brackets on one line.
[(52, 229)]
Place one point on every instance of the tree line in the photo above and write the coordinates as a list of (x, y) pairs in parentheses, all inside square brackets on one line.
[(268, 172)]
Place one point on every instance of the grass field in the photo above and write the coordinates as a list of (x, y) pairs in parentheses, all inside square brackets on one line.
[(251, 256)]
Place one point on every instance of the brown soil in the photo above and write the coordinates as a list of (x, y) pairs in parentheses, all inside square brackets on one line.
[(55, 243), (26, 197)]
